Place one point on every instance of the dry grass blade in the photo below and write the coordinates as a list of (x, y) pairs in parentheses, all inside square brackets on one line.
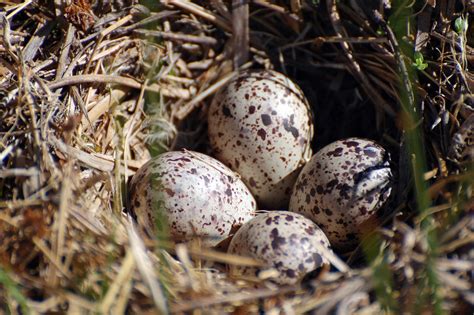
[(230, 259), (326, 303), (12, 172), (146, 269), (40, 244), (90, 93), (61, 221), (277, 8), (65, 52), (180, 38), (356, 69), (102, 163), (103, 34), (199, 11), (18, 8), (238, 297), (103, 78), (124, 276), (6, 36), (190, 106), (240, 30), (114, 98)]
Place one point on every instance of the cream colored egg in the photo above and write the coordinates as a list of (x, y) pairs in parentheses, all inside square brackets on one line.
[(260, 125), (189, 194), (288, 242), (342, 187)]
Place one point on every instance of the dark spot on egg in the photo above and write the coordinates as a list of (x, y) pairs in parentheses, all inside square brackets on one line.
[(277, 241), (290, 273), (266, 119), (310, 230), (320, 189), (328, 212), (169, 192), (226, 112), (317, 259), (252, 182), (262, 134), (335, 152), (351, 143), (290, 128), (331, 184), (370, 151), (344, 191)]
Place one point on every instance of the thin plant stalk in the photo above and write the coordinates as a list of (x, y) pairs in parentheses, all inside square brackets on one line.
[(412, 123)]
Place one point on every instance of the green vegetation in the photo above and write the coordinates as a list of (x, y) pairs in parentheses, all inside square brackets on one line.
[(13, 291)]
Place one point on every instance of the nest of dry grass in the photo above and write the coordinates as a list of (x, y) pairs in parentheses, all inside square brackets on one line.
[(91, 91)]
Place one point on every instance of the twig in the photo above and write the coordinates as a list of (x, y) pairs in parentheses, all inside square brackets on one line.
[(94, 78), (114, 97), (331, 299), (146, 269), (336, 39), (21, 203), (202, 40), (240, 297), (400, 62), (6, 38), (240, 27), (277, 8), (151, 19), (60, 223), (187, 108), (104, 33), (77, 98), (354, 65), (19, 7), (16, 172), (199, 11), (35, 42), (65, 52), (123, 277), (104, 78), (41, 245), (100, 162)]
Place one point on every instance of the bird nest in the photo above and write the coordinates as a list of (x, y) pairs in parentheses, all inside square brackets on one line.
[(90, 91)]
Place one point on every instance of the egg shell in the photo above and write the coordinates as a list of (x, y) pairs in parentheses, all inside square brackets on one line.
[(193, 194), (286, 241), (260, 126), (342, 187)]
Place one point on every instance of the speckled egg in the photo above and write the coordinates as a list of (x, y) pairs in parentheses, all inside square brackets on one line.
[(189, 194), (285, 241), (260, 126), (342, 187)]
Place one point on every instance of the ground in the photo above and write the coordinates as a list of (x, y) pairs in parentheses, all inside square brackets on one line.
[(91, 90)]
